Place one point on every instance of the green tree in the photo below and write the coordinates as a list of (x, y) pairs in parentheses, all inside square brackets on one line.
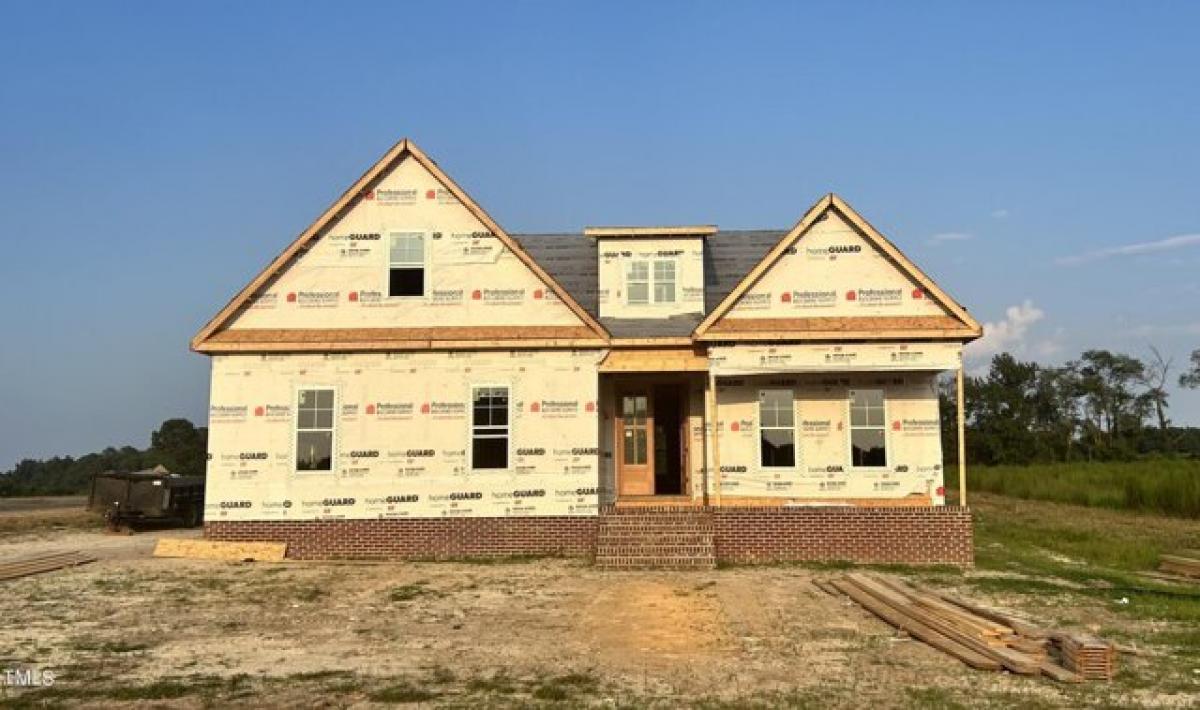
[(1113, 411), (1191, 378), (181, 446)]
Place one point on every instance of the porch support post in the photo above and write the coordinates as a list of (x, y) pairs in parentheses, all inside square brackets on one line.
[(716, 439), (706, 439), (962, 441)]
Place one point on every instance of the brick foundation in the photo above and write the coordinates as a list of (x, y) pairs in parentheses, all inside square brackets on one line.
[(916, 535), (417, 538)]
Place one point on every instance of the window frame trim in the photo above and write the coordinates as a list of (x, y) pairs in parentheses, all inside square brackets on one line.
[(795, 437), (388, 264), (333, 439), (508, 434), (651, 282), (887, 443)]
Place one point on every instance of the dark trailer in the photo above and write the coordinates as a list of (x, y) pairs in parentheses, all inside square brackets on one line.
[(143, 496)]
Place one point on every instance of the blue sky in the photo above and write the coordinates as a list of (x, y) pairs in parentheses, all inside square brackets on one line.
[(1037, 159)]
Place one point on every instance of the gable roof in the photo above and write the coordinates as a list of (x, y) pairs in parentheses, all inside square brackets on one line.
[(404, 148), (961, 321)]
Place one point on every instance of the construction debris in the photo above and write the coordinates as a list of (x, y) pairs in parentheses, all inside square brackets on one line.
[(213, 550), (37, 564), (1186, 564), (980, 637)]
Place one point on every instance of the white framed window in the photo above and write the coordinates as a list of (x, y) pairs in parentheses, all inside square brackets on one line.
[(664, 282), (315, 430), (650, 282), (489, 427), (406, 264), (777, 428), (868, 431), (637, 282)]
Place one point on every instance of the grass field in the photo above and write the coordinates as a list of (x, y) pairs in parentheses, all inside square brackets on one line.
[(1166, 486)]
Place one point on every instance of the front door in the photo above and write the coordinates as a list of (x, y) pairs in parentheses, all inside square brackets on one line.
[(635, 443)]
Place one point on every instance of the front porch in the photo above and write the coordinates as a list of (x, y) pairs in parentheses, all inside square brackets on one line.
[(678, 430)]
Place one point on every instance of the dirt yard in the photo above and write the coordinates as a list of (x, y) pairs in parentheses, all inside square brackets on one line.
[(181, 633)]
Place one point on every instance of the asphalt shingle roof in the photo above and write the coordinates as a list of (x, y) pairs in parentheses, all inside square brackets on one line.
[(572, 260)]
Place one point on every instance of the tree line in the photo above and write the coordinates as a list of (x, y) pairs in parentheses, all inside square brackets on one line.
[(177, 444), (1102, 406)]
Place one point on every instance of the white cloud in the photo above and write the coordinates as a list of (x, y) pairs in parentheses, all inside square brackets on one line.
[(999, 214), (1008, 335), (1136, 249), (944, 237)]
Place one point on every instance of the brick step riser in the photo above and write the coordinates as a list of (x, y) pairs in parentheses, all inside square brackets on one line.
[(658, 551), (663, 540), (671, 517), (645, 530), (655, 525), (640, 539), (655, 565)]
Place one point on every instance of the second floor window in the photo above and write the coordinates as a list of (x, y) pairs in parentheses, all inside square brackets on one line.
[(406, 264), (650, 282)]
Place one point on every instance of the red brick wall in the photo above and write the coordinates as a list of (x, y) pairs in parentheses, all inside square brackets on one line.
[(917, 535), (417, 538)]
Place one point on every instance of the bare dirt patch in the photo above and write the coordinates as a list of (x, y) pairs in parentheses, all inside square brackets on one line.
[(184, 633)]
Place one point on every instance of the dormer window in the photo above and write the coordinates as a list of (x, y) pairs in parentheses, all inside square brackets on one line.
[(645, 280), (664, 282)]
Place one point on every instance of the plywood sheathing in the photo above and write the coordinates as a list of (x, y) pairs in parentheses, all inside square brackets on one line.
[(656, 360), (832, 202), (229, 551), (404, 148), (700, 230), (367, 339), (838, 328)]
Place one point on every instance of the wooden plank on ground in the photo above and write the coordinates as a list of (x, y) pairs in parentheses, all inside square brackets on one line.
[(46, 562), (915, 628), (216, 550), (1014, 661)]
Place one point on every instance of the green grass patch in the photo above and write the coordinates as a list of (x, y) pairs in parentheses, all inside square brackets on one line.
[(403, 692), (1076, 551), (565, 687), (1164, 486), (409, 592)]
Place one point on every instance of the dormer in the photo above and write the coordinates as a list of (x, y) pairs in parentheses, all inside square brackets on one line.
[(650, 272)]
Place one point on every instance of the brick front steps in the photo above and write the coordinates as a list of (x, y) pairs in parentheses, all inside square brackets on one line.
[(654, 537)]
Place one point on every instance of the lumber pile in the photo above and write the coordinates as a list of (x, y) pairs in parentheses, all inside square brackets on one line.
[(1089, 656), (46, 562), (1185, 564), (214, 550), (982, 638)]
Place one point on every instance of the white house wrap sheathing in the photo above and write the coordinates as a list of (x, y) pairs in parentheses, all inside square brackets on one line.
[(822, 418), (616, 254), (342, 281), (402, 435), (833, 271)]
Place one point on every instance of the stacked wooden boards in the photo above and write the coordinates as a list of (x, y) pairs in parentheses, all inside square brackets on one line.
[(46, 562), (1089, 656), (1186, 564), (980, 637)]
